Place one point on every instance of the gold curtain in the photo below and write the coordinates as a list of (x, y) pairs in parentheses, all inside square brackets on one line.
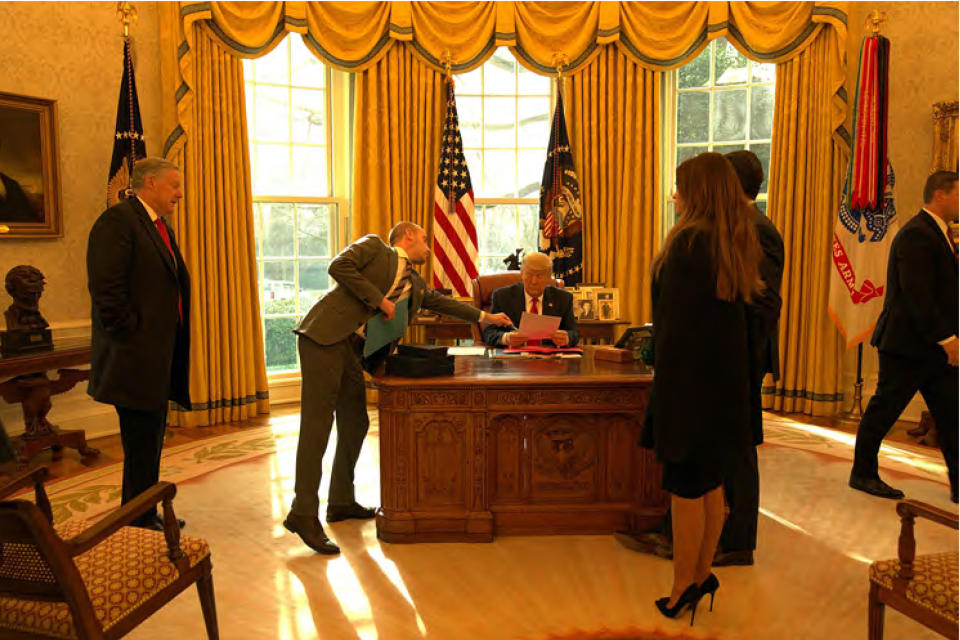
[(398, 120), (807, 165), (214, 224), (944, 136), (614, 109)]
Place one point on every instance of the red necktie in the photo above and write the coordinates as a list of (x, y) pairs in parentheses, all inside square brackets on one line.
[(162, 228), (534, 309)]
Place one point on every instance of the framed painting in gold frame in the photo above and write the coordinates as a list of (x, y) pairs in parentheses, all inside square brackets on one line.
[(30, 204)]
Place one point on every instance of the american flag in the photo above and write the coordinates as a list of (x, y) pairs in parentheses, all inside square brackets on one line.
[(454, 231)]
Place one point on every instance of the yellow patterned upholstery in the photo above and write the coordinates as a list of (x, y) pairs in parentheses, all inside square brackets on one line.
[(934, 585), (120, 574)]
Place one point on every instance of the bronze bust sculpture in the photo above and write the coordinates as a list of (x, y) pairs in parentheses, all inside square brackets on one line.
[(26, 328)]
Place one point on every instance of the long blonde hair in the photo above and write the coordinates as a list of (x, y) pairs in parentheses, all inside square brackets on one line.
[(713, 203)]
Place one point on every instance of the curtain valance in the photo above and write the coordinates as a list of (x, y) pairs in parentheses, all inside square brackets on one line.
[(542, 35)]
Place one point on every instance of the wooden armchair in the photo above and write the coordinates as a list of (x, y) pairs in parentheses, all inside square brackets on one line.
[(483, 288), (93, 582), (922, 587)]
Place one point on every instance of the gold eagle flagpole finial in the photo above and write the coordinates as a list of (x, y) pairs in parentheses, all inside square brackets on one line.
[(875, 21), (127, 14)]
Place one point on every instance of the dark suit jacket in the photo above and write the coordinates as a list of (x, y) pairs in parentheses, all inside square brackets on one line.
[(510, 300), (700, 400), (364, 273), (765, 308), (920, 306), (140, 350)]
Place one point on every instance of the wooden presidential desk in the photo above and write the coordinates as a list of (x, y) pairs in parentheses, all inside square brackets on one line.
[(448, 328), (516, 446)]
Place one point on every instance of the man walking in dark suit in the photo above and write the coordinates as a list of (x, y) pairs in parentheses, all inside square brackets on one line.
[(371, 277), (533, 295), (140, 292), (741, 480), (916, 336)]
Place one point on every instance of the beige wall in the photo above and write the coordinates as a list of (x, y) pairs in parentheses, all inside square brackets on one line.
[(923, 70), (73, 53)]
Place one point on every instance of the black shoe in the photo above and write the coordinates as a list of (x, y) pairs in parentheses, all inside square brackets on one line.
[(953, 495), (312, 534), (875, 486), (349, 511), (651, 543), (710, 585), (690, 596), (733, 558), (155, 523)]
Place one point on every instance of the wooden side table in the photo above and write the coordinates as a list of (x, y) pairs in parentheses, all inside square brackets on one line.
[(29, 385)]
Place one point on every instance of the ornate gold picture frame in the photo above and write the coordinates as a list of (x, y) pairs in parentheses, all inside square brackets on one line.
[(30, 203)]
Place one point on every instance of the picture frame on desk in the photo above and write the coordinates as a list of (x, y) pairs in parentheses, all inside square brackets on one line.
[(584, 304), (608, 304)]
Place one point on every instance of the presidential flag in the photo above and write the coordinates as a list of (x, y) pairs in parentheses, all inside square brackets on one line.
[(866, 221), (128, 143), (561, 213), (454, 231)]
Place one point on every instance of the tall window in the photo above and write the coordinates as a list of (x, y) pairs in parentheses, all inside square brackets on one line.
[(505, 115), (295, 216), (722, 102)]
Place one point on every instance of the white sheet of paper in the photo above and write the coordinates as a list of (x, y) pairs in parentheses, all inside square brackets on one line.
[(466, 351), (534, 326)]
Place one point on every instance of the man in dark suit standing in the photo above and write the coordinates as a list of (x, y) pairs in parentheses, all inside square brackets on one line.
[(916, 336), (533, 295), (371, 277), (741, 480), (140, 290)]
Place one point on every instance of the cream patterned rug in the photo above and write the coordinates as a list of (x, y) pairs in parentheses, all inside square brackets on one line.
[(92, 493)]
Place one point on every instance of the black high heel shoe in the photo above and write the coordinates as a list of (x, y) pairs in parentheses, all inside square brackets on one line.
[(690, 596), (710, 585)]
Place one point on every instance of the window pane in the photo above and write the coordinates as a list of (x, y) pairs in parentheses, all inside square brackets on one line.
[(313, 234), (308, 110), (533, 115), (499, 230), (530, 172), (469, 111), (693, 116), (730, 115), (764, 72), (272, 106), (498, 123), (499, 174), (762, 205), (685, 153), (761, 112), (499, 74), (470, 82), (314, 282), (273, 169), (530, 83), (529, 226), (307, 70), (257, 229), (273, 67), (492, 264), (279, 289), (763, 154), (474, 158), (310, 171), (731, 65), (278, 230), (728, 148), (280, 343), (696, 73)]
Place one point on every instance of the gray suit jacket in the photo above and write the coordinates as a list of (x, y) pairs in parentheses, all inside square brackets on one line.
[(364, 273)]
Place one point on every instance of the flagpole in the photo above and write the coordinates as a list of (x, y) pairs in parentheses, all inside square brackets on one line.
[(873, 22)]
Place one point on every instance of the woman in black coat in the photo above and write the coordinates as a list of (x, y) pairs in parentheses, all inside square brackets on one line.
[(700, 403)]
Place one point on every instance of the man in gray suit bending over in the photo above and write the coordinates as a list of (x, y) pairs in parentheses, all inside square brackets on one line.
[(371, 278)]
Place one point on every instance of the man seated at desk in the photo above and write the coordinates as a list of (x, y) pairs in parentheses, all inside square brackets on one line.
[(533, 295)]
